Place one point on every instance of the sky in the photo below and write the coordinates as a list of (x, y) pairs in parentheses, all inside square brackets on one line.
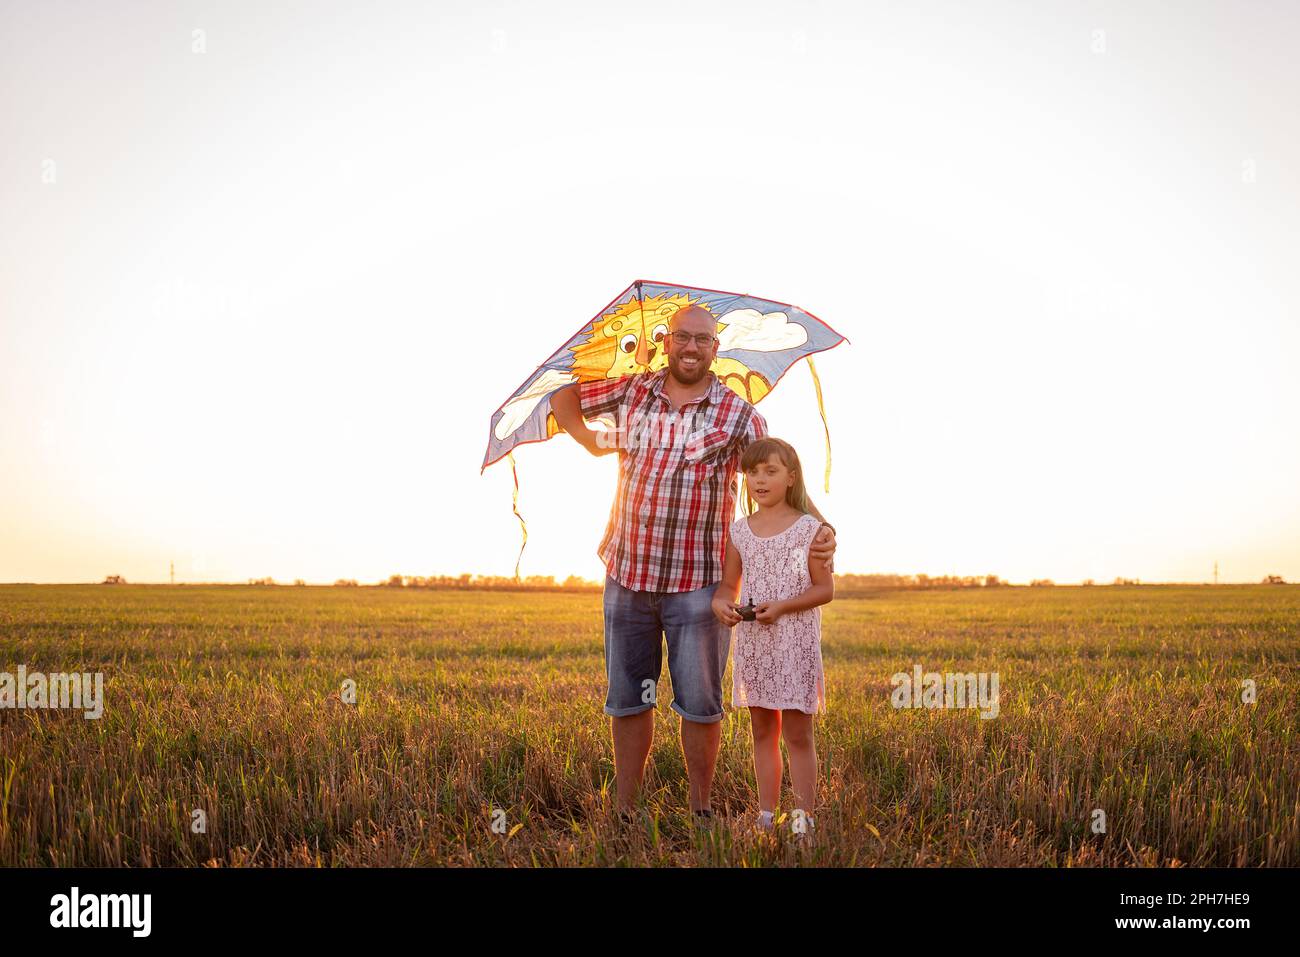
[(267, 270)]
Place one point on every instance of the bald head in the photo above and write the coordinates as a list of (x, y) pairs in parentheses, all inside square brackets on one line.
[(694, 319)]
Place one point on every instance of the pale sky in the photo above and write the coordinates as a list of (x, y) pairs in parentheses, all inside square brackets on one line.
[(262, 286)]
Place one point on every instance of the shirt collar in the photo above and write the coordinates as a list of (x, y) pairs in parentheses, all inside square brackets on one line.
[(714, 395)]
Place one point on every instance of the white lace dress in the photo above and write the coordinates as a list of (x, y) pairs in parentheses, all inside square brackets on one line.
[(777, 666)]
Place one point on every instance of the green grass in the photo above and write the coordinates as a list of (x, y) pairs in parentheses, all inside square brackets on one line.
[(226, 699)]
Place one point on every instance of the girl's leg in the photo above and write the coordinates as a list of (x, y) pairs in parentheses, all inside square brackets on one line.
[(767, 755), (797, 729)]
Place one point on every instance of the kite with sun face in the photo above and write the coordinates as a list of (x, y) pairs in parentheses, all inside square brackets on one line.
[(758, 341)]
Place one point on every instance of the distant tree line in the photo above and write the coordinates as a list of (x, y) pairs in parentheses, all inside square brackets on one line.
[(540, 582), (844, 584), (860, 582)]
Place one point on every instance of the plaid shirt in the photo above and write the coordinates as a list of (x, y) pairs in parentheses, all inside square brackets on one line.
[(677, 481)]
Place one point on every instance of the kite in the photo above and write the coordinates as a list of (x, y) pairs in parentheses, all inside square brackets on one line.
[(758, 341)]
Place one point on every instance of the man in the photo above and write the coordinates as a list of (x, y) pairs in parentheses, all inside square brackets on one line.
[(680, 439)]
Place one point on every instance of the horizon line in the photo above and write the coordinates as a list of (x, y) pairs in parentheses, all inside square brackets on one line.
[(560, 583)]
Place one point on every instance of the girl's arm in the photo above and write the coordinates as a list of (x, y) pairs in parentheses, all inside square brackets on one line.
[(728, 590), (820, 592)]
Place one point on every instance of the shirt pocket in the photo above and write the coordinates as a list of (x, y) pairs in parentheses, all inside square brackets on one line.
[(705, 444)]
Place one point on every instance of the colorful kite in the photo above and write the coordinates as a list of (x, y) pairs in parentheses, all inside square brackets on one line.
[(759, 340)]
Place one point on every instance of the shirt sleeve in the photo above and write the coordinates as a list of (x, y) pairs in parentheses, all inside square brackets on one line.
[(600, 396), (755, 429)]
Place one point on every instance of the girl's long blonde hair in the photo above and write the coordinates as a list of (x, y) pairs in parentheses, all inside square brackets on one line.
[(758, 452)]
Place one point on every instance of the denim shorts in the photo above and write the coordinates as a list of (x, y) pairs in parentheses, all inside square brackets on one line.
[(636, 624)]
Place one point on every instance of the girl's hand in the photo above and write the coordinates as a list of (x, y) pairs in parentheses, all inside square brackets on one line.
[(769, 611), (725, 612)]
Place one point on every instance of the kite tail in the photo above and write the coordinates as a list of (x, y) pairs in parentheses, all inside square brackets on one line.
[(817, 384), (515, 505)]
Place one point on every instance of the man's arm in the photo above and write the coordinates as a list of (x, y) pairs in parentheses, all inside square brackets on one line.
[(728, 590), (823, 545), (755, 429), (567, 407)]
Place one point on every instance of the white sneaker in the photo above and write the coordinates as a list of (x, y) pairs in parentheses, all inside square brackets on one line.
[(764, 822)]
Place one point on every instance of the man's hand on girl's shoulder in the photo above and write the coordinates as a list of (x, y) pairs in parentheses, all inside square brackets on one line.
[(823, 546)]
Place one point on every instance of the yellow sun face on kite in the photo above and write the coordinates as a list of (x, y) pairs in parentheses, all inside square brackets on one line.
[(628, 340)]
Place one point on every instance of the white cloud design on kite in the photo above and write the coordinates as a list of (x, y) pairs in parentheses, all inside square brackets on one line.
[(519, 409), (760, 332)]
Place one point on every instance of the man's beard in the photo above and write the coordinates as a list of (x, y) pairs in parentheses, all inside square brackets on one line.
[(688, 378)]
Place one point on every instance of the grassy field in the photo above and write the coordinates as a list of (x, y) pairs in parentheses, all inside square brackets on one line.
[(226, 699)]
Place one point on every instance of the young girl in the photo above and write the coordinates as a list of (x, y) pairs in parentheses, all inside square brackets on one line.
[(777, 661)]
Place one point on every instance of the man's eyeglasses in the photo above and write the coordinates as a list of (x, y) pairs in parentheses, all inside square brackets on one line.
[(701, 342)]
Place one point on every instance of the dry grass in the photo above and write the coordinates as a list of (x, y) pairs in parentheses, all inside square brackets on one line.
[(226, 699)]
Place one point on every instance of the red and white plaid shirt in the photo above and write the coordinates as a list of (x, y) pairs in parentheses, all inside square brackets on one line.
[(677, 481)]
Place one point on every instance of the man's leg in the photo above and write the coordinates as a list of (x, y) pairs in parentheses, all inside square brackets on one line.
[(633, 661), (698, 645), (700, 744), (633, 735)]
